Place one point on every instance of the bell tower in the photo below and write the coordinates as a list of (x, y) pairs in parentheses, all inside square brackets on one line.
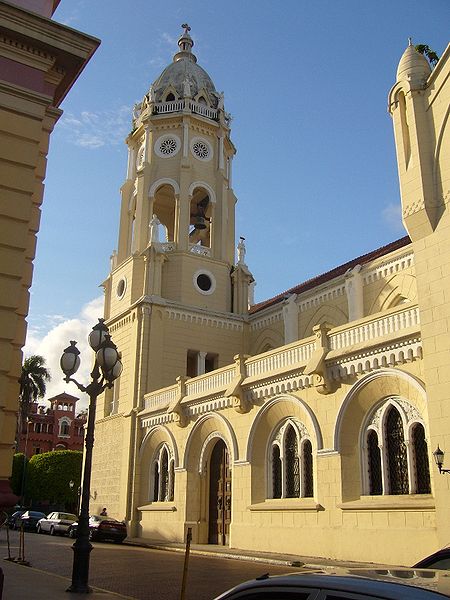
[(175, 269), (176, 238)]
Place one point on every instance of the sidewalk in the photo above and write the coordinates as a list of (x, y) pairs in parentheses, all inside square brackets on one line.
[(288, 560), (23, 583)]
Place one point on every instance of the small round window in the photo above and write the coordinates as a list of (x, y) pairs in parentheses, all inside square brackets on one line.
[(167, 145), (201, 149), (204, 282), (121, 287)]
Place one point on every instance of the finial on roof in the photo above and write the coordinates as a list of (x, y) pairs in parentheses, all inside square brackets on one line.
[(185, 44), (409, 41)]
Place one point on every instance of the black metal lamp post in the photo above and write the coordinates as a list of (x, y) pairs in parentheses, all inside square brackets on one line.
[(439, 459), (107, 368)]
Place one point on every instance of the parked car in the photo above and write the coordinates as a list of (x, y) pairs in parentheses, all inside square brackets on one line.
[(56, 522), (438, 560), (356, 584), (12, 519), (102, 528), (29, 520)]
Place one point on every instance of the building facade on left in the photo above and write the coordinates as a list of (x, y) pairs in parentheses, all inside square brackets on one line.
[(40, 60)]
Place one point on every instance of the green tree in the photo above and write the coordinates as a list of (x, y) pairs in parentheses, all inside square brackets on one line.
[(428, 52), (32, 381), (49, 476), (18, 466)]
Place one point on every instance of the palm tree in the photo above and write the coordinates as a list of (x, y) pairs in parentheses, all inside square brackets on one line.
[(32, 386)]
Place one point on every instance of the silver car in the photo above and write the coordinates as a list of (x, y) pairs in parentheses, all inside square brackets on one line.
[(56, 522), (391, 583)]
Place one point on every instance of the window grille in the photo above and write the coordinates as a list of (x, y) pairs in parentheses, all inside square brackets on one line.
[(156, 482), (422, 467), (163, 476), (308, 487), (171, 481), (276, 471), (395, 465), (396, 454), (374, 454), (290, 469), (292, 466)]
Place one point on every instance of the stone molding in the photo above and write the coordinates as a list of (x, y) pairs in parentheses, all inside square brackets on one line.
[(178, 314)]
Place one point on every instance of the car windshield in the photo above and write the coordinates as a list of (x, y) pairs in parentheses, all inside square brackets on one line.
[(34, 514)]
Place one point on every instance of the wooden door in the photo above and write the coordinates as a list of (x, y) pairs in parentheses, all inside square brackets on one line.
[(219, 495)]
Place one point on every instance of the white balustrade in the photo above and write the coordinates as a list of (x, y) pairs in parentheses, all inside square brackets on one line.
[(169, 107), (161, 108), (216, 380), (387, 325), (168, 246), (202, 109), (161, 398), (200, 250), (280, 359)]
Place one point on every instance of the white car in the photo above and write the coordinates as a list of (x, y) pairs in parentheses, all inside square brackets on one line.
[(56, 522)]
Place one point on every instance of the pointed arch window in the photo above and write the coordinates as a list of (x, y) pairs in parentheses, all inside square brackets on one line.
[(396, 451), (290, 469), (421, 465), (170, 97), (163, 476)]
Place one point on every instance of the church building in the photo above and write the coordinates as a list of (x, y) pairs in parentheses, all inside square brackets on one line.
[(304, 424)]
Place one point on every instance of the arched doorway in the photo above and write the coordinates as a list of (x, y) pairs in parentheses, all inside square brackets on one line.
[(219, 495)]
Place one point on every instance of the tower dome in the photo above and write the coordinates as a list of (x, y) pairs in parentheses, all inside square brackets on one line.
[(184, 75), (413, 67)]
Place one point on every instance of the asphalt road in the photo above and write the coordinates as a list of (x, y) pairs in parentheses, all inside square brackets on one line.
[(139, 573)]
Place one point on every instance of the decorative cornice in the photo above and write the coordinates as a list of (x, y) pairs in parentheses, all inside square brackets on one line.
[(389, 268), (178, 314)]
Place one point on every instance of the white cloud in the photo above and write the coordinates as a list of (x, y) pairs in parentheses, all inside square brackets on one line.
[(169, 39), (96, 129), (51, 343), (392, 216)]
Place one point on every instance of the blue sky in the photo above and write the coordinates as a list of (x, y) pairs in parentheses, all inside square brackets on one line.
[(307, 85)]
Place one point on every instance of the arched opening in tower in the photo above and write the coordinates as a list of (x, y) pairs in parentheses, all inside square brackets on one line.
[(200, 224), (164, 208)]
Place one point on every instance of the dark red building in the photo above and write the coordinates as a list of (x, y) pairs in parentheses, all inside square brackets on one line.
[(54, 428)]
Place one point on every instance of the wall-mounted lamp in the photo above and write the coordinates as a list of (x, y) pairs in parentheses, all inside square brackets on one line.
[(439, 459)]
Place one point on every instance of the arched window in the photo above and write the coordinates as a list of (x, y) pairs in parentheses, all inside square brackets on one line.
[(374, 455), (163, 479), (64, 428), (290, 462), (170, 97), (395, 451), (421, 466)]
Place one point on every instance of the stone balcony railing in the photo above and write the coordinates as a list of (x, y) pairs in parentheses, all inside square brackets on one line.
[(162, 108), (389, 339)]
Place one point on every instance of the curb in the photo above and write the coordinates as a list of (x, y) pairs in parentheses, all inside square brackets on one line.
[(227, 555)]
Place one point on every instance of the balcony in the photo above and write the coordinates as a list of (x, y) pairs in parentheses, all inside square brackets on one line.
[(355, 348), (176, 106)]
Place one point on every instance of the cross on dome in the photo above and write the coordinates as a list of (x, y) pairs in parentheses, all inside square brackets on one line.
[(186, 28)]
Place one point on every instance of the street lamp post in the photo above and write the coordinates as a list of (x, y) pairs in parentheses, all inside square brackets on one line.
[(107, 368)]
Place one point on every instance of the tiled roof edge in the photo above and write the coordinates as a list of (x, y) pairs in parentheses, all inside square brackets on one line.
[(340, 270)]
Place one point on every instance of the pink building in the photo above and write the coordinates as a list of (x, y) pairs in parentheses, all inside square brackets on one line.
[(54, 428)]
